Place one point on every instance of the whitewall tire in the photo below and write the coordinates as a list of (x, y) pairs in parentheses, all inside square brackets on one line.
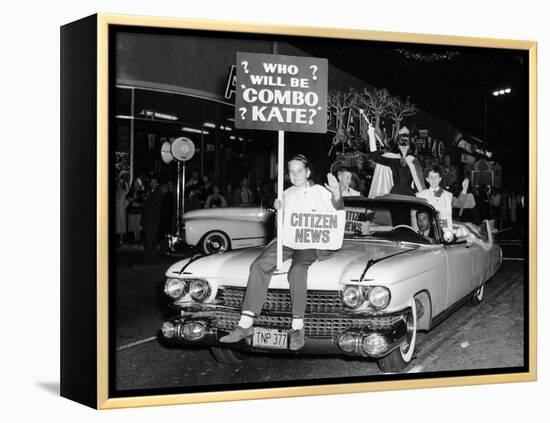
[(399, 359), (214, 242)]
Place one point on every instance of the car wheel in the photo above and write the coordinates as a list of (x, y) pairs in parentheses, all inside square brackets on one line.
[(400, 357), (226, 355), (477, 296), (214, 242)]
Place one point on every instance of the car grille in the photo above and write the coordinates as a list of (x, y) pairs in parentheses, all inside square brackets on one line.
[(314, 326), (278, 300)]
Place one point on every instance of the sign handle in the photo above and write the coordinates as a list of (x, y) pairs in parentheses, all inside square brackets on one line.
[(280, 181)]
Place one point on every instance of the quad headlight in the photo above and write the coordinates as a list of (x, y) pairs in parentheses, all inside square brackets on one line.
[(199, 289), (379, 297), (175, 288), (352, 296)]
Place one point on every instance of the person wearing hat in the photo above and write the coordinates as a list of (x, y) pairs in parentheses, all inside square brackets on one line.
[(396, 172)]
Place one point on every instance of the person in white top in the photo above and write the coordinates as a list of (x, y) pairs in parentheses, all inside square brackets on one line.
[(439, 198), (344, 179), (309, 198)]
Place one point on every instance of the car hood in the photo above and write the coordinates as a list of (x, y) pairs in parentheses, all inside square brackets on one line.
[(256, 214), (346, 264)]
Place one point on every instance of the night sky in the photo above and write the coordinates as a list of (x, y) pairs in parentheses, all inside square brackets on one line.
[(447, 82)]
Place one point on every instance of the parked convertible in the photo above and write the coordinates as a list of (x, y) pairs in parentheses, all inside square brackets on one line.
[(368, 299), (230, 228)]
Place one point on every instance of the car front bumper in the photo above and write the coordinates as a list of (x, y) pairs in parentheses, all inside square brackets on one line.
[(324, 334)]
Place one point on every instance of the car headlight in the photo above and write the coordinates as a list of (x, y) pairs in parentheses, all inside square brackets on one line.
[(199, 289), (379, 297), (352, 296), (175, 288)]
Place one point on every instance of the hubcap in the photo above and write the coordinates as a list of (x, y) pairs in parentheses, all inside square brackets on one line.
[(215, 244)]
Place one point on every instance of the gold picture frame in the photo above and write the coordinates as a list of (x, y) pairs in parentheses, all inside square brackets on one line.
[(94, 31)]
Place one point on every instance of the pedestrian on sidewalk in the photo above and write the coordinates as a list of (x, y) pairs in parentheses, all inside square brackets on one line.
[(135, 197), (120, 210), (150, 220)]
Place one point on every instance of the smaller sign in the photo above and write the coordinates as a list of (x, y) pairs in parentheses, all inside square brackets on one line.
[(322, 231), (355, 218), (356, 221)]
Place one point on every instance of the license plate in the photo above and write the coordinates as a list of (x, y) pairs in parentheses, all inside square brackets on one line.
[(270, 338)]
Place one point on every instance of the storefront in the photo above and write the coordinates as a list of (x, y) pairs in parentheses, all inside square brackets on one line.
[(169, 87)]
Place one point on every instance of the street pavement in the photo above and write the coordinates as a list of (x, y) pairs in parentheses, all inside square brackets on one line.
[(488, 336)]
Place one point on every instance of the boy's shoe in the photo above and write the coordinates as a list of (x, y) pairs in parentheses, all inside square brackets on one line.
[(237, 335), (297, 339)]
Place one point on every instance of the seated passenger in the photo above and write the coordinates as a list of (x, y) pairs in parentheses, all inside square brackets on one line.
[(425, 227)]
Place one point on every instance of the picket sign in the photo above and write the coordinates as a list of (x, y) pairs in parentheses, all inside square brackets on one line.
[(281, 93)]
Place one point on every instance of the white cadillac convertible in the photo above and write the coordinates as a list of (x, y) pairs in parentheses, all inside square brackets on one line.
[(392, 277)]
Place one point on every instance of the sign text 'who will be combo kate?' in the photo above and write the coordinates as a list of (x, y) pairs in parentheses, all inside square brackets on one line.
[(277, 92)]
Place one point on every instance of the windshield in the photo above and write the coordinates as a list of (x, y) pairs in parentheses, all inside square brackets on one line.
[(409, 221)]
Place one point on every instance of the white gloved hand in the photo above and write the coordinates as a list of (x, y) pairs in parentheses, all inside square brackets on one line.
[(372, 138), (448, 236)]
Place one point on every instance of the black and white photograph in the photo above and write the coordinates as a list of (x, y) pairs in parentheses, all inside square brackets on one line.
[(291, 211), (222, 211)]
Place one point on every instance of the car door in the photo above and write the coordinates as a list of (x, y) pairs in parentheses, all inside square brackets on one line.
[(480, 253), (459, 271)]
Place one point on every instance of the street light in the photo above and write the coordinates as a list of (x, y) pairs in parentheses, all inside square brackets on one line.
[(496, 93), (502, 91)]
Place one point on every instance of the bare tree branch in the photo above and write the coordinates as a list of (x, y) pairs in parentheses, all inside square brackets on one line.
[(400, 109), (339, 103)]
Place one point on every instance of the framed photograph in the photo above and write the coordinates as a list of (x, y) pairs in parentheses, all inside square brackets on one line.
[(254, 211)]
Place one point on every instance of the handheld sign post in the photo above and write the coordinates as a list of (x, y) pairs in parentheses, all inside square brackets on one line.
[(281, 93)]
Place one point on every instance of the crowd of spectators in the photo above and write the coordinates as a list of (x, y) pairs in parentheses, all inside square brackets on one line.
[(201, 193), (146, 206)]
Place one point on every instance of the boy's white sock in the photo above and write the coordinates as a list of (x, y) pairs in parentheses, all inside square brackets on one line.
[(246, 320), (297, 324)]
